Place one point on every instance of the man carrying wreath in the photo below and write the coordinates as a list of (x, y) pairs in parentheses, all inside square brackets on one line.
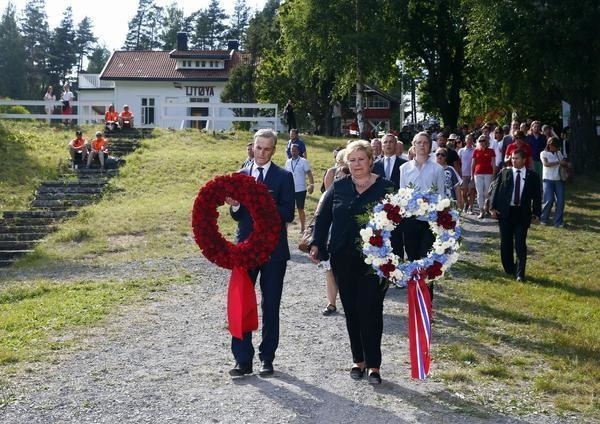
[(281, 186)]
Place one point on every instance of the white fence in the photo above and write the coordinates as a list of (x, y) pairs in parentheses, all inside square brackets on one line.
[(167, 114)]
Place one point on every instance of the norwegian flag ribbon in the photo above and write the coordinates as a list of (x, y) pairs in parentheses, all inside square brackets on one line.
[(419, 325)]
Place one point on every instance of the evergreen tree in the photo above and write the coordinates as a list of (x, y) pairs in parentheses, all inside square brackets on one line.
[(97, 59), (36, 36), (62, 55), (174, 21), (84, 41), (144, 28), (210, 27), (239, 21), (12, 59)]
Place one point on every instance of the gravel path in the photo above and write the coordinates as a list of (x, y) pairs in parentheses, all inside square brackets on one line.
[(166, 360)]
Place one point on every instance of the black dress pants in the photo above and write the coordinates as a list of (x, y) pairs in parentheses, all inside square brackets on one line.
[(513, 239), (362, 294)]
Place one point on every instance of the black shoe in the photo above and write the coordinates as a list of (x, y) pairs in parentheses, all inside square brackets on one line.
[(266, 368), (356, 373), (240, 369), (374, 378), (520, 279), (329, 310)]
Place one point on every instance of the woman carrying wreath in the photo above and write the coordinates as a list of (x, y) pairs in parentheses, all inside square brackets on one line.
[(361, 291)]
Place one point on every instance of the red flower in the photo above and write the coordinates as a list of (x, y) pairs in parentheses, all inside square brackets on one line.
[(253, 251), (444, 219), (387, 269), (434, 270)]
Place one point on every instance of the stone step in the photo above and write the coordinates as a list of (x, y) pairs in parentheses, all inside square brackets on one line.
[(9, 254), (74, 183), (61, 203), (28, 221), (39, 214), (95, 172), (6, 262), (27, 229), (66, 196), (22, 236), (72, 189), (18, 244)]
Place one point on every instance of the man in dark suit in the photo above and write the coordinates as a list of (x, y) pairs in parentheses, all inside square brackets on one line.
[(389, 168), (516, 201), (281, 185)]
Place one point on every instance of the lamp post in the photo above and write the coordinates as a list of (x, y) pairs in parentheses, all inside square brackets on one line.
[(400, 65)]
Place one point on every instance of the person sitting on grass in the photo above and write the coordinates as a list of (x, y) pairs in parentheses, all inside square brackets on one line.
[(111, 119), (99, 148), (126, 118), (78, 147)]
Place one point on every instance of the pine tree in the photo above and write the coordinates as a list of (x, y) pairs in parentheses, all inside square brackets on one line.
[(144, 28), (84, 41), (12, 59), (36, 36), (97, 59), (239, 21), (62, 54), (210, 27), (174, 21)]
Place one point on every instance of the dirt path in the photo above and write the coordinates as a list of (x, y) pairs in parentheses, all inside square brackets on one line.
[(167, 361)]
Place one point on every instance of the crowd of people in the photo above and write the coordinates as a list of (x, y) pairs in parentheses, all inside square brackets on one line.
[(491, 170)]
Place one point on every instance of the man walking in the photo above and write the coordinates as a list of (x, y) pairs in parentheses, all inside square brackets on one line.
[(281, 185), (516, 202), (300, 169)]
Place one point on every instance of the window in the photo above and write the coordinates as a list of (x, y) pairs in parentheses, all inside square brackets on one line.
[(377, 102), (148, 108)]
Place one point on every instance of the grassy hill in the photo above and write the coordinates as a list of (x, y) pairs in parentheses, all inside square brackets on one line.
[(541, 337)]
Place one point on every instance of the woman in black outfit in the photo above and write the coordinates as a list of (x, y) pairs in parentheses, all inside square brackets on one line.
[(361, 291)]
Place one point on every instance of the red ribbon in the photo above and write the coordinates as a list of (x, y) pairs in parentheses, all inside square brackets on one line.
[(242, 312), (419, 325)]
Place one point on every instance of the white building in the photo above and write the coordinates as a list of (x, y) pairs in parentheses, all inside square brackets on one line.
[(162, 87)]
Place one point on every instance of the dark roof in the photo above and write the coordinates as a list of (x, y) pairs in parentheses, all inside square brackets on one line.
[(160, 66), (199, 54), (382, 93)]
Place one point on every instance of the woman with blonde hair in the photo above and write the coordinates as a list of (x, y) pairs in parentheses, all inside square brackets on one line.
[(361, 291)]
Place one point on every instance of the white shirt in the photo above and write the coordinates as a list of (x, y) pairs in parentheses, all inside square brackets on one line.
[(522, 173), (550, 172), (299, 167), (255, 172), (429, 176), (68, 96)]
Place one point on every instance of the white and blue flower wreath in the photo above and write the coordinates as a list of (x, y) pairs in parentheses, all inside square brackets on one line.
[(408, 202)]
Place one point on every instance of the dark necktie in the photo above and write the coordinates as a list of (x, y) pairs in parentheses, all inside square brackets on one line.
[(260, 178), (517, 198)]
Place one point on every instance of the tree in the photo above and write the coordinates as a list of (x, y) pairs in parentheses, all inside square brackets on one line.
[(97, 59), (62, 53), (144, 27), (432, 42), (329, 50), (36, 36), (12, 59), (239, 21), (560, 60), (84, 41), (210, 27), (174, 21)]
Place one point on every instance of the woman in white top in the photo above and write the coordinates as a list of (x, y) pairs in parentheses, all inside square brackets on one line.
[(49, 97), (554, 188)]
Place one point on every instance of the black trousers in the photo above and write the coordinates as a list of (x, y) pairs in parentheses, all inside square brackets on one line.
[(513, 239), (362, 294), (418, 240)]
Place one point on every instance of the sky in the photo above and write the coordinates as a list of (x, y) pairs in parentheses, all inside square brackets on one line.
[(111, 28)]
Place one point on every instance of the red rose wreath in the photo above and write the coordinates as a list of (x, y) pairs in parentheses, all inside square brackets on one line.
[(240, 257)]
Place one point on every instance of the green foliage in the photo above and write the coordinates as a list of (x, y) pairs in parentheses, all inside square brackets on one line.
[(210, 28), (12, 59), (143, 32), (97, 59), (31, 152)]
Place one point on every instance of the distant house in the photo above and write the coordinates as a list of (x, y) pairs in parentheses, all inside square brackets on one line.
[(150, 81), (378, 109)]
